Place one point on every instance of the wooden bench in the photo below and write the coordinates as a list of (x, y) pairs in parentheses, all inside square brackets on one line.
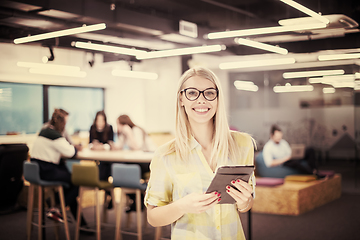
[(294, 198)]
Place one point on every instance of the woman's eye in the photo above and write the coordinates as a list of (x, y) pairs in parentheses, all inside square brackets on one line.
[(192, 93)]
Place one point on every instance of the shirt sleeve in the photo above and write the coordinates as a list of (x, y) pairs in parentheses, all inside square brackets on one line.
[(268, 158), (287, 148), (91, 136), (159, 189), (111, 134), (64, 147), (139, 136)]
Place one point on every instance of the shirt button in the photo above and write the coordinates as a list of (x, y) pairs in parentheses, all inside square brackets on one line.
[(218, 227)]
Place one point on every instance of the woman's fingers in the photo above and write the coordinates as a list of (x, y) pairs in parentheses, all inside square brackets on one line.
[(243, 187)]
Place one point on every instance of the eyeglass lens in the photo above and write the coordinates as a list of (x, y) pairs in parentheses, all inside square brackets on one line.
[(192, 94)]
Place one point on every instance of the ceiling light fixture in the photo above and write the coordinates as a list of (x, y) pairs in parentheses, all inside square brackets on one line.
[(259, 45), (267, 30), (332, 79), (60, 33), (107, 48), (134, 74), (328, 90), (53, 69), (288, 75), (181, 51), (58, 72), (256, 63), (338, 56), (246, 86), (288, 88), (306, 11)]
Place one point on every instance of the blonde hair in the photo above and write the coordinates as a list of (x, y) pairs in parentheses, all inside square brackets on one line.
[(223, 144)]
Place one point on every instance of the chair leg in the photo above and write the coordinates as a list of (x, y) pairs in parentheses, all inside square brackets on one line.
[(63, 209), (52, 199), (118, 211), (138, 213), (81, 192), (157, 233), (98, 216), (30, 209), (40, 210), (105, 212)]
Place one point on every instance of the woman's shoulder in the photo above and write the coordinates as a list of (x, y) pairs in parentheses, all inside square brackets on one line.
[(242, 138), (165, 149)]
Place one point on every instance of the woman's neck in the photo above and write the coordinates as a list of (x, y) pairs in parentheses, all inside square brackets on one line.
[(203, 134)]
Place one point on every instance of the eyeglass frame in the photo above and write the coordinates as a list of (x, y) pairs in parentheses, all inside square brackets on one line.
[(200, 92)]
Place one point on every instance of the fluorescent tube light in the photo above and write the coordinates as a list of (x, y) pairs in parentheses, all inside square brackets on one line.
[(288, 75), (332, 79), (181, 51), (134, 74), (58, 72), (50, 67), (60, 33), (256, 63), (267, 30), (306, 11), (107, 48), (338, 56), (289, 88), (246, 86), (328, 90), (262, 46)]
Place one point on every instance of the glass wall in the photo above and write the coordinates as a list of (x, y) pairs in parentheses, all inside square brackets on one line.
[(81, 103), (21, 108)]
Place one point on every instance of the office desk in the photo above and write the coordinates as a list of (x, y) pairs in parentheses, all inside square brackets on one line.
[(115, 156)]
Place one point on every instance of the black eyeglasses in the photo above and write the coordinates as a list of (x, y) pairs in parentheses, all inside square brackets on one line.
[(192, 94)]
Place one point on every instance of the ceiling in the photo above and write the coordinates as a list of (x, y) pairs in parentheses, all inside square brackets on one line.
[(146, 24)]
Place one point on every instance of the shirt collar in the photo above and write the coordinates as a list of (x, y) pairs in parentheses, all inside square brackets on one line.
[(193, 143)]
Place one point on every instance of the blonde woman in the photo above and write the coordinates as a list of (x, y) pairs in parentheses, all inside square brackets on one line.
[(182, 170)]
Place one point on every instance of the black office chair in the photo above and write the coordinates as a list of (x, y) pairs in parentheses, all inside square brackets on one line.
[(12, 157)]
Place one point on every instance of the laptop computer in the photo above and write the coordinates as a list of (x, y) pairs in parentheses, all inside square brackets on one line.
[(297, 151)]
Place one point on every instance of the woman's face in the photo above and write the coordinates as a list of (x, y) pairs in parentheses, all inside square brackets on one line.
[(201, 110), (100, 122)]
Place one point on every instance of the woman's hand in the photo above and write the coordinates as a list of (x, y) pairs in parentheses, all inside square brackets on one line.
[(197, 202), (242, 195)]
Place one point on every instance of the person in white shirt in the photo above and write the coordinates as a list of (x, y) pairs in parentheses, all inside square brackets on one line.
[(277, 152), (48, 149)]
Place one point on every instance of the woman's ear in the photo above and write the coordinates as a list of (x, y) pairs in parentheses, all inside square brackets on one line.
[(181, 101)]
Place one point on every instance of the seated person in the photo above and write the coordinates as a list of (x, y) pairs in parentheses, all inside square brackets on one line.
[(47, 150), (101, 133), (134, 138), (131, 136), (101, 138), (277, 155)]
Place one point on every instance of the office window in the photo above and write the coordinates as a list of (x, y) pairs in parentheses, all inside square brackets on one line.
[(21, 108), (80, 102)]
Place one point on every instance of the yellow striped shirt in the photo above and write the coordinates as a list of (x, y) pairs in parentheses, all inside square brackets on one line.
[(172, 179)]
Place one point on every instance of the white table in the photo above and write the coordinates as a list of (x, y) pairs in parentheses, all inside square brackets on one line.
[(115, 156)]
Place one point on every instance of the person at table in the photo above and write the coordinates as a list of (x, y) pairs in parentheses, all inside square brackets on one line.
[(101, 138), (277, 152), (101, 133), (48, 148), (65, 134), (181, 171), (131, 136)]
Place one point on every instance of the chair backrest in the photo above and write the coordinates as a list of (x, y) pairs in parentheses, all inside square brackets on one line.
[(85, 175), (127, 176), (32, 172)]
